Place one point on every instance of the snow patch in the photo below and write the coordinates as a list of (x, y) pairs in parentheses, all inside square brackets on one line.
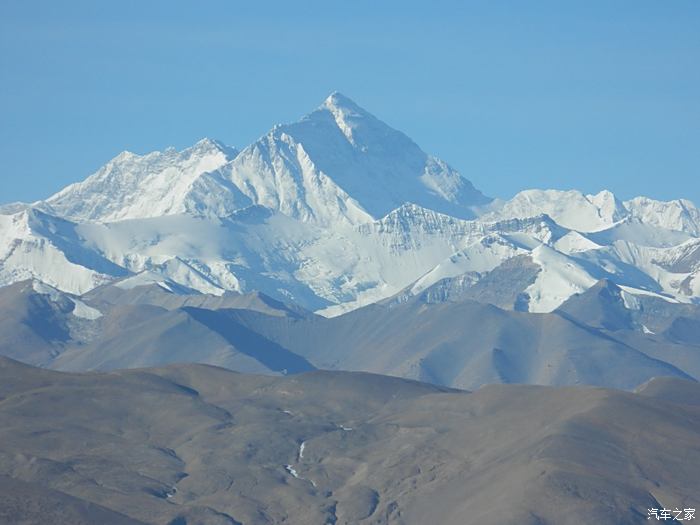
[(574, 242), (295, 474), (560, 278), (84, 311), (292, 471), (636, 291), (80, 309)]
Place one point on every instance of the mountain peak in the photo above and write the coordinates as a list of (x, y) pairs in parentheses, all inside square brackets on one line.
[(208, 145), (339, 163), (132, 186), (347, 115), (379, 167), (337, 100), (124, 156)]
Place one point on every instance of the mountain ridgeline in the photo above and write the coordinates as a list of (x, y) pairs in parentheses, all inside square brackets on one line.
[(335, 242), (332, 326), (193, 444)]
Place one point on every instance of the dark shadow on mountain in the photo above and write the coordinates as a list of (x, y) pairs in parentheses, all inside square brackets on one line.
[(246, 341), (44, 319), (601, 306), (684, 330), (671, 369), (628, 275)]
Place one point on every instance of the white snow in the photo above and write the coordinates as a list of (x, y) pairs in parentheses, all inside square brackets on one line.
[(637, 291), (590, 213), (144, 278), (334, 212), (295, 474), (45, 289), (292, 471), (678, 215), (338, 164), (80, 309), (34, 245), (630, 300), (159, 183), (483, 255), (560, 278), (570, 209), (84, 311), (574, 242)]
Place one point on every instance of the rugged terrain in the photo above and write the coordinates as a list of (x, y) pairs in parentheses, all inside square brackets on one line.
[(377, 342), (337, 211), (197, 444), (453, 341)]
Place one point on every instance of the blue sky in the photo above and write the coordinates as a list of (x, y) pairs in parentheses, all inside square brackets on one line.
[(548, 94)]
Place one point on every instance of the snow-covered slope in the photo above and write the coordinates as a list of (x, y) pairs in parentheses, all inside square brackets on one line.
[(679, 214), (337, 211), (34, 245), (132, 186), (340, 162), (590, 213)]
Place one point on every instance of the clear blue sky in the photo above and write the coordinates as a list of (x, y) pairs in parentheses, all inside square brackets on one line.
[(550, 94)]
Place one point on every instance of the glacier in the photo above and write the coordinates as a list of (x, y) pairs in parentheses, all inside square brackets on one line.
[(334, 212)]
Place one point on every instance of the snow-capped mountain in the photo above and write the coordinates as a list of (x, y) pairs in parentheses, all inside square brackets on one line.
[(132, 186), (35, 245), (590, 213), (340, 163), (337, 211), (337, 164)]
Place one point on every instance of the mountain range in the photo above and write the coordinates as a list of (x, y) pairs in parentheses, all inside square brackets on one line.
[(194, 444), (334, 212), (335, 242), (332, 326)]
